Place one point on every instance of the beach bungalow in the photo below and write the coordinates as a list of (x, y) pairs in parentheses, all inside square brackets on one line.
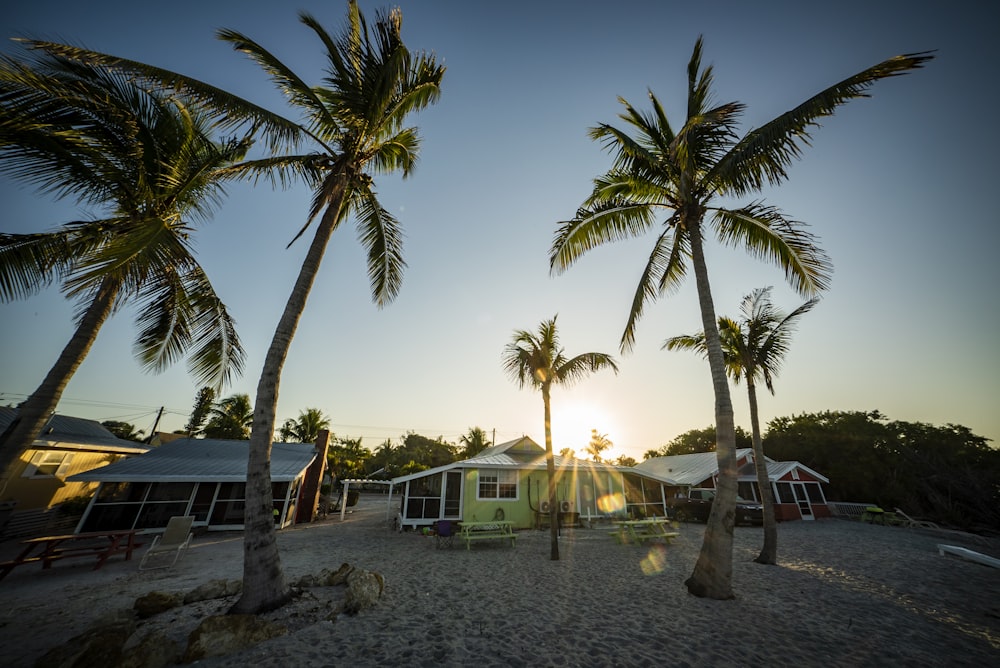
[(39, 480), (797, 489), (205, 478), (509, 481)]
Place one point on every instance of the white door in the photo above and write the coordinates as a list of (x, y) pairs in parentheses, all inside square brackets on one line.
[(802, 500)]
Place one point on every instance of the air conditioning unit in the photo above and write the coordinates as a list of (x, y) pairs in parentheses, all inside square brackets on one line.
[(566, 506), (543, 507)]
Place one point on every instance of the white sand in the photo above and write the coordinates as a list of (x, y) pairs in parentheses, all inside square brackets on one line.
[(843, 594)]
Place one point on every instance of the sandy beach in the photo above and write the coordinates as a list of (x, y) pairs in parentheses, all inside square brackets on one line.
[(843, 594)]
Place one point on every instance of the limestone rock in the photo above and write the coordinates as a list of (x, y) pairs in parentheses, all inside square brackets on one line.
[(156, 602), (364, 589), (154, 650), (214, 589), (99, 647), (224, 634)]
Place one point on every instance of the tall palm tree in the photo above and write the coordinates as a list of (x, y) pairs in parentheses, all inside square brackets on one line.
[(684, 173), (354, 123), (537, 359), (146, 161), (230, 418), (753, 348), (305, 428)]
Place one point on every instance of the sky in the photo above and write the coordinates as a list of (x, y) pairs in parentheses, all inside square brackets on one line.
[(897, 187)]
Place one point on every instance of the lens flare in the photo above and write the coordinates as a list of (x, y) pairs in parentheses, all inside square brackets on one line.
[(611, 503), (655, 561)]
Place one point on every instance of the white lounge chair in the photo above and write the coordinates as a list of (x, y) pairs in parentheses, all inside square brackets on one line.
[(174, 540), (914, 522)]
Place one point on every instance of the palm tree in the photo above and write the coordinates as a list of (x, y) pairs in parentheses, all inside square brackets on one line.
[(753, 348), (306, 428), (145, 159), (231, 418), (474, 442), (199, 413), (539, 361), (598, 444), (354, 122), (683, 174)]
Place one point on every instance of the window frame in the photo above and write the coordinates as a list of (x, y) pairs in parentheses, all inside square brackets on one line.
[(497, 479)]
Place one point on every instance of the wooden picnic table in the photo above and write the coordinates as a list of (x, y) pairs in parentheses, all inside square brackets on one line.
[(494, 529), (639, 531), (100, 544)]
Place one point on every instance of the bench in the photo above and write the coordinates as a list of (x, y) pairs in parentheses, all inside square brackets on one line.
[(471, 531)]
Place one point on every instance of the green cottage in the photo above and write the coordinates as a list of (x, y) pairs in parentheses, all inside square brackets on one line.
[(509, 482)]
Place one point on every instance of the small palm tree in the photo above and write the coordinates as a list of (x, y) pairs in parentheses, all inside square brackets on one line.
[(231, 418), (753, 348), (146, 159), (306, 428), (474, 442), (539, 361), (598, 444), (683, 172)]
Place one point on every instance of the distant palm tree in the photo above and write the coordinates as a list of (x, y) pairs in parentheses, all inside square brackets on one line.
[(474, 442), (306, 428), (598, 444), (230, 418), (753, 348), (144, 158), (683, 173), (539, 361), (354, 122), (199, 413)]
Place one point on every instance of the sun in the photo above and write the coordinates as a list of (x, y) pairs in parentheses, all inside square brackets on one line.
[(571, 425)]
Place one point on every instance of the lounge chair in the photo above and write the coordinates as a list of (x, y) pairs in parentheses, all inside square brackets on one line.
[(914, 522), (174, 540)]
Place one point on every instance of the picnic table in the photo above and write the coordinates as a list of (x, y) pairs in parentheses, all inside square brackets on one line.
[(639, 531), (492, 530), (100, 544)]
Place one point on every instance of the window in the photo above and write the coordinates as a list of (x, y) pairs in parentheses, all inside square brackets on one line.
[(48, 465), (497, 484)]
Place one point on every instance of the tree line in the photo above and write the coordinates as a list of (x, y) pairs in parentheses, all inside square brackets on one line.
[(945, 473)]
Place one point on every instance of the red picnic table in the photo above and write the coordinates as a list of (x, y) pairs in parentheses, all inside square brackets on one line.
[(100, 544)]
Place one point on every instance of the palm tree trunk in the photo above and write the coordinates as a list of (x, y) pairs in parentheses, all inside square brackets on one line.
[(550, 467), (713, 572), (768, 553), (264, 586), (34, 413)]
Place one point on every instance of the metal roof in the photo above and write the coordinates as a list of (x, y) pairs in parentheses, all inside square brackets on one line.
[(776, 470), (202, 460), (687, 469), (71, 433)]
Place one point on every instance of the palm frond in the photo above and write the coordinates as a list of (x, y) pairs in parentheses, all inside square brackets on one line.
[(664, 271), (381, 236), (764, 154), (613, 221), (765, 232)]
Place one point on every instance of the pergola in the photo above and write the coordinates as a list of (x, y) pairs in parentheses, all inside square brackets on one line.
[(360, 481)]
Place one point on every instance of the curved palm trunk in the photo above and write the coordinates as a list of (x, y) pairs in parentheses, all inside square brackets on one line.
[(550, 467), (264, 586), (36, 409), (768, 553), (713, 572)]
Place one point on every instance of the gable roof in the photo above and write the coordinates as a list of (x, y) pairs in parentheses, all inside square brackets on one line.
[(202, 460), (777, 470), (524, 453), (687, 469), (63, 432)]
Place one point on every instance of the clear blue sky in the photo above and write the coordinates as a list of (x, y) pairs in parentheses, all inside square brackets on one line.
[(900, 188)]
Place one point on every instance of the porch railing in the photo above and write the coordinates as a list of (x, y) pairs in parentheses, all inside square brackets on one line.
[(848, 509)]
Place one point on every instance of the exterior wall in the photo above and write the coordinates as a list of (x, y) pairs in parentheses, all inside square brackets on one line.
[(39, 492)]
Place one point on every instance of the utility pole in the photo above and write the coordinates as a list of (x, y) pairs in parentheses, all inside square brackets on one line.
[(152, 432)]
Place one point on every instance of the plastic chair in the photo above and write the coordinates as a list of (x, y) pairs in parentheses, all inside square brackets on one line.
[(445, 533), (175, 539)]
